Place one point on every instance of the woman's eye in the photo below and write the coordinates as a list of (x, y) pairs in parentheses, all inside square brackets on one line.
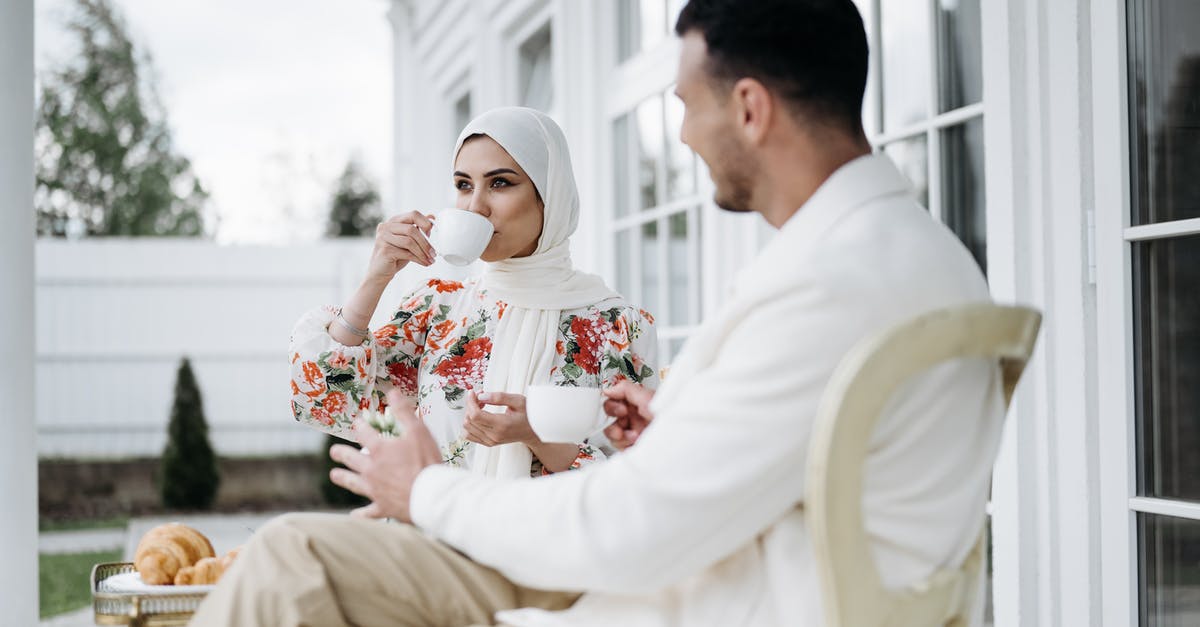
[(500, 183), (461, 184)]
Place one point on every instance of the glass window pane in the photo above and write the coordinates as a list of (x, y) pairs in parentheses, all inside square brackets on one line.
[(650, 269), (1164, 59), (912, 157), (963, 186), (960, 54), (673, 347), (681, 161), (650, 149), (1168, 570), (623, 254), (1166, 278), (621, 170), (906, 62), (462, 115), (678, 270), (653, 14), (536, 75), (641, 24)]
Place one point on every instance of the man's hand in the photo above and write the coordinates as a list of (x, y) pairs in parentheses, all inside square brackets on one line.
[(387, 474), (629, 403)]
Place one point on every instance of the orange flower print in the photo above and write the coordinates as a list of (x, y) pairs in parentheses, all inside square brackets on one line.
[(384, 335), (500, 307), (364, 402), (338, 360), (295, 389), (335, 403), (645, 314), (464, 370), (620, 336), (403, 377), (322, 416), (439, 334), (295, 357), (415, 325), (588, 338), (312, 372), (445, 286), (559, 348)]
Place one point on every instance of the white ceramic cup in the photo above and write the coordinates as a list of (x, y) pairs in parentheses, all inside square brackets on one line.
[(460, 236), (560, 413)]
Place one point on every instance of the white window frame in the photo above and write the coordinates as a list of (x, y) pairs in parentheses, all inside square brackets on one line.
[(1114, 314), (644, 75), (1114, 269), (933, 122), (517, 31)]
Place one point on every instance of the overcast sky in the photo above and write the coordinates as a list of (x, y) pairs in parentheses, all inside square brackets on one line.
[(268, 98)]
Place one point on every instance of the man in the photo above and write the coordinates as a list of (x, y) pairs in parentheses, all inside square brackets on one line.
[(700, 521)]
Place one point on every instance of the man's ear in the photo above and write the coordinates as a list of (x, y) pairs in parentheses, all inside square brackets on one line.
[(755, 109)]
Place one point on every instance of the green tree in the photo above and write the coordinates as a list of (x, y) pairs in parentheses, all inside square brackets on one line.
[(189, 467), (334, 494), (104, 154), (355, 207)]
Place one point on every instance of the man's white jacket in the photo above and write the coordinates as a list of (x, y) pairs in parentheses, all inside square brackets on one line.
[(702, 522)]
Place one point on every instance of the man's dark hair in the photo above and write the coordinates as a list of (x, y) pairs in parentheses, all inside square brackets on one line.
[(810, 53)]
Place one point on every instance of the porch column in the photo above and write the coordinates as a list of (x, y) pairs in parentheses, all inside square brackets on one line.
[(18, 450)]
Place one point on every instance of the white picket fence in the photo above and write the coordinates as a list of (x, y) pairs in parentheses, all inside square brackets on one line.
[(115, 316)]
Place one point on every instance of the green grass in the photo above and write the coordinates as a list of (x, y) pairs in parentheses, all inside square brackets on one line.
[(86, 523), (64, 580)]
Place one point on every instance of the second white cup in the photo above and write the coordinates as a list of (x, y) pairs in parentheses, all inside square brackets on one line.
[(559, 413), (460, 236)]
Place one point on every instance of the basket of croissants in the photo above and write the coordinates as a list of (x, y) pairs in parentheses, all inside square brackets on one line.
[(172, 570)]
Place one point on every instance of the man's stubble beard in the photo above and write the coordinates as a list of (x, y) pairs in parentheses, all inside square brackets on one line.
[(734, 181)]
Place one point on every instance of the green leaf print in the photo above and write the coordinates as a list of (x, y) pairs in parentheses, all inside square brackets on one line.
[(454, 393), (571, 371), (343, 382), (476, 329)]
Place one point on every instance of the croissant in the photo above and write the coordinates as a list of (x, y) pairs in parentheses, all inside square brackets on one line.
[(205, 571), (166, 549)]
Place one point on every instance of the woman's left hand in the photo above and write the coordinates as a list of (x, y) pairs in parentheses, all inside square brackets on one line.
[(492, 429)]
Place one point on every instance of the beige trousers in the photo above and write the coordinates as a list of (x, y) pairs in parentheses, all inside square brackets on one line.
[(330, 570)]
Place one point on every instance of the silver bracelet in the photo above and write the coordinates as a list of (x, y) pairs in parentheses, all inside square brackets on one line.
[(363, 333)]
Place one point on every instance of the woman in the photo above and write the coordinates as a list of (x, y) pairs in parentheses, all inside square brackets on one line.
[(466, 351)]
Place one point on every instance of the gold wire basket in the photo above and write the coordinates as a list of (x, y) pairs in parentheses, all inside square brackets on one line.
[(141, 609)]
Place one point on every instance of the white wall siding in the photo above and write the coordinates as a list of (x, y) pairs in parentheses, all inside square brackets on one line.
[(115, 316)]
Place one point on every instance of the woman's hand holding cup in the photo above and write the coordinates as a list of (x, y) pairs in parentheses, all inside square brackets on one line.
[(399, 240)]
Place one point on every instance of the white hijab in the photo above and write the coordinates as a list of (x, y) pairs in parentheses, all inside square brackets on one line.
[(536, 288)]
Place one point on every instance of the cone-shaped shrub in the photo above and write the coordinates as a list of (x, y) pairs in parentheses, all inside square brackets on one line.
[(189, 477), (334, 494)]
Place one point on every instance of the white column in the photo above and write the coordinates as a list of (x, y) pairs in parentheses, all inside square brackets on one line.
[(405, 180), (18, 448)]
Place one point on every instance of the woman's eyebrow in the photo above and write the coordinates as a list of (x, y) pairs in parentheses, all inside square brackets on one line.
[(495, 172)]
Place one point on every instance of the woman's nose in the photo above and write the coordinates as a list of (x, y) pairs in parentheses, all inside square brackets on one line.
[(477, 204)]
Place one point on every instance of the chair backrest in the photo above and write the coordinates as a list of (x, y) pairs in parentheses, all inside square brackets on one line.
[(851, 587)]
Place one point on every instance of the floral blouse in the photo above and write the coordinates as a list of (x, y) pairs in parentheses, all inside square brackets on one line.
[(436, 347)]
